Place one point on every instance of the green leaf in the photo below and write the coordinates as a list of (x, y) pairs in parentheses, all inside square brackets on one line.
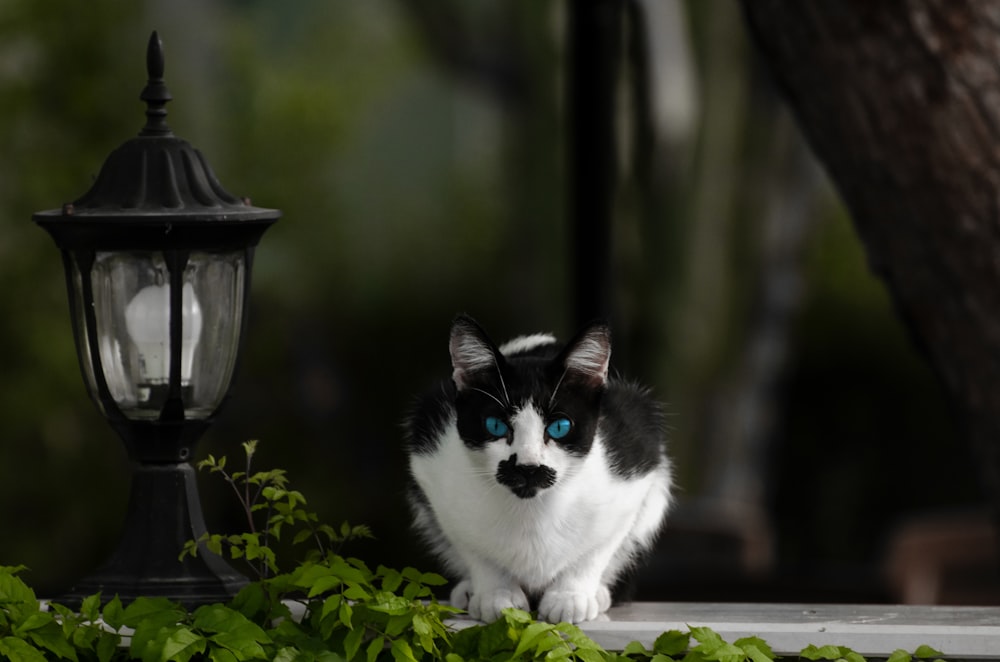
[(251, 601), (345, 613), (391, 579), (160, 610), (374, 648), (398, 623), (755, 654), (13, 649), (323, 584), (352, 642), (726, 653), (17, 597), (33, 622), (208, 463), (90, 607), (672, 643), (708, 639), (288, 654), (532, 635), (153, 620), (635, 648), (577, 637), (899, 655), (306, 576), (414, 591), (302, 536), (81, 635), (761, 647), (589, 655), (345, 571), (231, 629), (494, 637), (114, 613), (50, 637), (411, 574), (355, 592), (331, 605), (516, 616), (389, 603), (926, 652), (401, 651), (421, 625), (107, 646), (432, 579), (180, 645), (214, 544)]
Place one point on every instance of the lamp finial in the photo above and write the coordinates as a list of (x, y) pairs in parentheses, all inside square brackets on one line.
[(155, 94)]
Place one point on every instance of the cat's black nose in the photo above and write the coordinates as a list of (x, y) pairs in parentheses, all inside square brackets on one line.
[(524, 480)]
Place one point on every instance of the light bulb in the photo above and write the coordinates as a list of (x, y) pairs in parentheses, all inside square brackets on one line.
[(147, 319)]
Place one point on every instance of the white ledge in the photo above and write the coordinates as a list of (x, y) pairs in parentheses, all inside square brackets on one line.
[(872, 630)]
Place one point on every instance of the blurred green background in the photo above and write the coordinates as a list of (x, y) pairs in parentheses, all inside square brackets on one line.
[(418, 151)]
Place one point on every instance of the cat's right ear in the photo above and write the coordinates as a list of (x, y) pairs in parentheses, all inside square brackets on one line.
[(472, 351)]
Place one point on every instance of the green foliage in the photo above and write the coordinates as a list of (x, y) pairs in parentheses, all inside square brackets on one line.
[(325, 608), (270, 507), (30, 633)]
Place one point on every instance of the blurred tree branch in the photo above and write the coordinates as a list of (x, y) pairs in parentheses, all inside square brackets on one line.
[(899, 101)]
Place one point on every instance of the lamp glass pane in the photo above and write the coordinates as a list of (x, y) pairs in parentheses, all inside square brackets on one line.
[(131, 304), (218, 281), (80, 332)]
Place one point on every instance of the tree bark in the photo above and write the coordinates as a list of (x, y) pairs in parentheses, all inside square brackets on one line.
[(900, 100)]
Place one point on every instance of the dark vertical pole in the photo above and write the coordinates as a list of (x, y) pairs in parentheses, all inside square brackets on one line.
[(594, 50)]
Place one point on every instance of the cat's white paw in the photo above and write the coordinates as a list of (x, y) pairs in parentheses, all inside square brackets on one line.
[(574, 605), (461, 593), (488, 606)]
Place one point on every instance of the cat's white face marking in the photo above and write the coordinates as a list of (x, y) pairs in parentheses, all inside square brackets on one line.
[(529, 437), (527, 462), (526, 343)]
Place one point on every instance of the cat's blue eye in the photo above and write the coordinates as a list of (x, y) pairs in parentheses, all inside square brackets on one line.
[(559, 428), (496, 427)]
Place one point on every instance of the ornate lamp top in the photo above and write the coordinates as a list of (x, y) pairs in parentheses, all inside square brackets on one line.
[(155, 94), (155, 187)]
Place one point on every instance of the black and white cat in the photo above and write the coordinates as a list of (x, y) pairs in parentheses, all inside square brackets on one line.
[(536, 475)]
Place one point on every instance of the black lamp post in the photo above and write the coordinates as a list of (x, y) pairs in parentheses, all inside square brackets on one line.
[(158, 258)]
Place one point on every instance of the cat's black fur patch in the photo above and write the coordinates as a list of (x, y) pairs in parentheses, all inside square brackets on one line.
[(428, 418), (524, 480), (629, 419)]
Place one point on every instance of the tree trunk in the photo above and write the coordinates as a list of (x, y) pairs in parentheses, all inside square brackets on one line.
[(900, 100)]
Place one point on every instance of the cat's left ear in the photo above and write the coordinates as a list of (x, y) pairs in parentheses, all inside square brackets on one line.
[(588, 355), (471, 349)]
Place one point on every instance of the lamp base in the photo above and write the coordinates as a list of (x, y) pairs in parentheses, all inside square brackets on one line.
[(164, 512)]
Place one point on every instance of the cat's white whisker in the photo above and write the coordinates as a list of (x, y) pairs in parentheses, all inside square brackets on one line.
[(489, 395), (503, 385), (555, 391)]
